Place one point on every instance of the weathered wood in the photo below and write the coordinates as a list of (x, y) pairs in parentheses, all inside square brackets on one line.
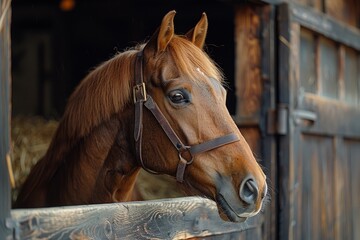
[(325, 25), (180, 218), (254, 82), (283, 98), (268, 141), (5, 79), (248, 65), (347, 11), (316, 4), (316, 154), (328, 112)]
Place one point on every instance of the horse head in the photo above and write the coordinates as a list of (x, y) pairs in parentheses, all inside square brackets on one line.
[(208, 154)]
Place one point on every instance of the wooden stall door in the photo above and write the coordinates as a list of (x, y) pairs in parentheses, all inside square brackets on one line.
[(319, 154)]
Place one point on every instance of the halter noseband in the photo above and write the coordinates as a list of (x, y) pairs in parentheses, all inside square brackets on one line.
[(141, 98)]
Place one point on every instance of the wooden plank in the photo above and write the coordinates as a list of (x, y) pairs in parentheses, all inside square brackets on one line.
[(180, 218), (5, 92), (316, 4), (284, 47), (325, 25), (351, 216), (332, 117), (342, 185), (347, 11), (247, 65), (268, 146), (255, 83)]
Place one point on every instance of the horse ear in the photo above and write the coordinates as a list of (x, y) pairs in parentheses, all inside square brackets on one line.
[(197, 35), (163, 35)]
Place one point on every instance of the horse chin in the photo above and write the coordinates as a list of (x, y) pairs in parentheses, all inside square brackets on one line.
[(225, 208)]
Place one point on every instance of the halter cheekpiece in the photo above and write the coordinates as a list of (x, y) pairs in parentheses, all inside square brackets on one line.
[(141, 98)]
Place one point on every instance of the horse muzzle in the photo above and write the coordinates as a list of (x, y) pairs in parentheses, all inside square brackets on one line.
[(238, 205)]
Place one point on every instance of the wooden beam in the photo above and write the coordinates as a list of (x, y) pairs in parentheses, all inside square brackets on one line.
[(179, 218), (5, 79), (325, 25)]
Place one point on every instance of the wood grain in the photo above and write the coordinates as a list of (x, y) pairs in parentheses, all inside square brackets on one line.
[(247, 65), (180, 218), (347, 11), (316, 158)]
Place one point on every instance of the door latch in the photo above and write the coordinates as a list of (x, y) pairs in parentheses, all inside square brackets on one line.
[(304, 116)]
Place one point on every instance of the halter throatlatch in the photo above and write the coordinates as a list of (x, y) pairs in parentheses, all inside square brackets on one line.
[(186, 153)]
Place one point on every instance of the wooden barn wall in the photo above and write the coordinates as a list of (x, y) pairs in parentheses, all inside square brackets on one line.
[(5, 205)]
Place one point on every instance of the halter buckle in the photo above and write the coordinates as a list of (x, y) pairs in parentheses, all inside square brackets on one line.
[(139, 93)]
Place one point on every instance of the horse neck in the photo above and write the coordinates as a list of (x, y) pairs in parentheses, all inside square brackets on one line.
[(97, 168), (100, 168)]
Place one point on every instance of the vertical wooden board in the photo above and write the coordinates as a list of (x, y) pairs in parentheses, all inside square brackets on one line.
[(284, 141), (5, 77), (342, 185), (351, 83), (268, 141), (252, 137), (353, 153), (329, 68), (327, 155), (317, 188), (294, 87), (247, 64), (308, 79)]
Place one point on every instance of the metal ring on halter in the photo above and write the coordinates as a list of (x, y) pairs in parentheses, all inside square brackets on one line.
[(182, 158)]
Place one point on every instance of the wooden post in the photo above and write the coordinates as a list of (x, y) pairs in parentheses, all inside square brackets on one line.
[(5, 75)]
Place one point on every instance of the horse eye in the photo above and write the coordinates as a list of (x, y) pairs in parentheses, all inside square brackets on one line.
[(178, 97)]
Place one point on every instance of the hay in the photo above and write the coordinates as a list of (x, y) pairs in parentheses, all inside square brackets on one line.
[(31, 137)]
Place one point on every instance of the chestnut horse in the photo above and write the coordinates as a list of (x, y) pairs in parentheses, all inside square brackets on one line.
[(160, 106)]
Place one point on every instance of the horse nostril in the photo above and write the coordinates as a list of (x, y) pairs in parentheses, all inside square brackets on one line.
[(249, 191)]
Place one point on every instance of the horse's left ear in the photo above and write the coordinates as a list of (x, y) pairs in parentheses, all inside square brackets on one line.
[(197, 35), (163, 35)]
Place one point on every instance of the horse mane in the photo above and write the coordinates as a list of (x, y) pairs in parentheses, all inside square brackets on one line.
[(104, 92)]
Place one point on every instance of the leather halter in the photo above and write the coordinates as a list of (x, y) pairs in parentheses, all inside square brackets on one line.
[(141, 98)]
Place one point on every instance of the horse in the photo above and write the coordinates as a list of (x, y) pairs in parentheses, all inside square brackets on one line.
[(159, 106)]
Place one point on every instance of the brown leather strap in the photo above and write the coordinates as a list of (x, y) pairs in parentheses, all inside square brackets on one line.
[(214, 143), (165, 125), (139, 95), (141, 98)]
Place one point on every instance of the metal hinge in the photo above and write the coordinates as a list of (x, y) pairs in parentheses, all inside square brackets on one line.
[(277, 120), (14, 227)]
